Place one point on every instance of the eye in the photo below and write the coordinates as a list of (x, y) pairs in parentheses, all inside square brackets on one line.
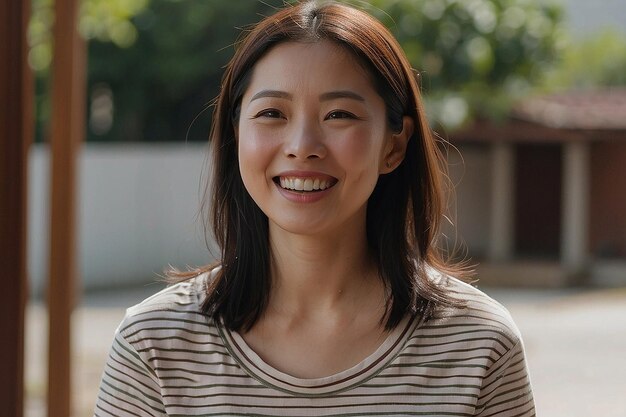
[(269, 113), (340, 114)]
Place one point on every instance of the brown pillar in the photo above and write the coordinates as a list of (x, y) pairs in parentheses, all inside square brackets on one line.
[(67, 132), (16, 121)]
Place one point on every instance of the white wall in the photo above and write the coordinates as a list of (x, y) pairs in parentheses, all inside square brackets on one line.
[(138, 212), (470, 172)]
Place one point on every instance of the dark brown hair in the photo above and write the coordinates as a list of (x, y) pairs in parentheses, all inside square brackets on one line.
[(404, 211)]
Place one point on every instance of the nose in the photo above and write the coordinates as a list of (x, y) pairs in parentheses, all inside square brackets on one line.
[(305, 141)]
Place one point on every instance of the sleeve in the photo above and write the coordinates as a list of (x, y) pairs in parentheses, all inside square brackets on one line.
[(506, 389), (129, 387)]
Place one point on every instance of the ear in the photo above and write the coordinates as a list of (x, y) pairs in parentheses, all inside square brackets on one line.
[(395, 148)]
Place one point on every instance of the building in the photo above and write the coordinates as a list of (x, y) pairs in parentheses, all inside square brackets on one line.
[(542, 197)]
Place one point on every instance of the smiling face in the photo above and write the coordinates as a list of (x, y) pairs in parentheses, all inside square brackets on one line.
[(313, 138)]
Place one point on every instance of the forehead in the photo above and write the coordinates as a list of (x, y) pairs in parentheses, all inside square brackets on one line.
[(306, 65)]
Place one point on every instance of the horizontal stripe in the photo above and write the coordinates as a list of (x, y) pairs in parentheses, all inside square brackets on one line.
[(169, 359)]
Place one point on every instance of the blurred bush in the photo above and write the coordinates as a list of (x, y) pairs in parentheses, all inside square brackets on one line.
[(475, 56), (599, 60), (155, 65)]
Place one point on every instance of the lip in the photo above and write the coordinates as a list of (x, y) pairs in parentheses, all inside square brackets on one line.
[(304, 196), (306, 174)]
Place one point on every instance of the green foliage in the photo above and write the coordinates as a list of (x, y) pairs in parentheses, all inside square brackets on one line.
[(475, 57), (596, 61), (105, 20), (109, 20), (40, 34), (173, 71), (154, 65)]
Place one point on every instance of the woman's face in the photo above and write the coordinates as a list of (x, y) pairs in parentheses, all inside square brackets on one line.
[(312, 138)]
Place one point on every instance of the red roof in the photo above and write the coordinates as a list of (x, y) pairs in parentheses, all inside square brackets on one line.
[(579, 110)]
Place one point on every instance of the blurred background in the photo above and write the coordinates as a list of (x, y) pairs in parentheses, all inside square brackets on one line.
[(530, 96)]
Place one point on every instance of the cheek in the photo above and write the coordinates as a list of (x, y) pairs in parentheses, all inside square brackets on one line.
[(255, 156), (362, 152), (247, 145), (256, 142)]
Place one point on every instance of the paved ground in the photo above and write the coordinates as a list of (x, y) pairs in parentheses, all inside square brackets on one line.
[(576, 348), (575, 342)]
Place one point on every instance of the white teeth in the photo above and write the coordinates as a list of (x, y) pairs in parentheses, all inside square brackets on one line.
[(303, 184)]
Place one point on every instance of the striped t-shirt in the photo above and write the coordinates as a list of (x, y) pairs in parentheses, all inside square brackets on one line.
[(169, 359)]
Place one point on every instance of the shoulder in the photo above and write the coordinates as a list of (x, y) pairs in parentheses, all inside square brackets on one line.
[(188, 293), (174, 310), (480, 317), (477, 344)]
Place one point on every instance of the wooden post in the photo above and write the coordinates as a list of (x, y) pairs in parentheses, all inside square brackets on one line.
[(16, 129), (67, 132)]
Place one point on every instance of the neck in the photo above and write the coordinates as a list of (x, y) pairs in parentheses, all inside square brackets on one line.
[(313, 274)]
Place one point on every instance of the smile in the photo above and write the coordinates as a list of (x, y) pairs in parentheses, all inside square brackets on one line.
[(305, 184)]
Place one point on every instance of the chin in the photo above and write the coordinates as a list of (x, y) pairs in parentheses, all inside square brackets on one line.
[(299, 227)]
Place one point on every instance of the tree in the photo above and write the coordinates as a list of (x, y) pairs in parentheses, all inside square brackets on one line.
[(475, 57), (104, 20), (599, 60), (154, 65)]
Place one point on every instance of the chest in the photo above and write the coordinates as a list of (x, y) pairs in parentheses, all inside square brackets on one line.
[(316, 353), (402, 377)]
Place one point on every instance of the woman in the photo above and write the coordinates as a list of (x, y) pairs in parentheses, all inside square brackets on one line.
[(330, 297)]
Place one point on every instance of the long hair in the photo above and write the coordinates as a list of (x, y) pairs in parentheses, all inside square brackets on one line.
[(404, 211)]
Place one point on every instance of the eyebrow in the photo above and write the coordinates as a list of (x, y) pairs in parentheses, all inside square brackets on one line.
[(331, 95), (271, 93)]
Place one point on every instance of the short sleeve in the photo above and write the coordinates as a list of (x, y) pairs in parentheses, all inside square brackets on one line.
[(506, 389), (129, 387)]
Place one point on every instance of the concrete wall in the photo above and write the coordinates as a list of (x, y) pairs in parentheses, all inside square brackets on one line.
[(138, 212), (139, 203), (470, 172)]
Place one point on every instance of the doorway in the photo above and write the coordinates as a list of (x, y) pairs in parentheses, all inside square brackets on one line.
[(538, 200)]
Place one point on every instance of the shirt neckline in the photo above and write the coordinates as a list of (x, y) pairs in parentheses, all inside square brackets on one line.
[(269, 376)]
